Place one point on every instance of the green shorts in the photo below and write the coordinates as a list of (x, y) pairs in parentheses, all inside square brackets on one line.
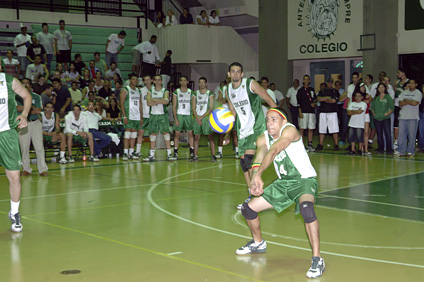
[(79, 139), (159, 124), (204, 129), (48, 138), (145, 125), (132, 124), (10, 157), (186, 123), (248, 143), (282, 193), (372, 125)]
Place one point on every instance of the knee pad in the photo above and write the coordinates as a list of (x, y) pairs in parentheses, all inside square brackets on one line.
[(153, 138), (134, 134), (307, 211), (246, 163), (247, 212), (127, 134), (243, 168), (167, 137)]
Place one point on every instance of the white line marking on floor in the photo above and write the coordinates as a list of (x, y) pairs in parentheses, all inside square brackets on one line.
[(175, 253), (373, 195)]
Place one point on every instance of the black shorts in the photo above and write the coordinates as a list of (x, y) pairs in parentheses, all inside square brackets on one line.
[(64, 57), (396, 123)]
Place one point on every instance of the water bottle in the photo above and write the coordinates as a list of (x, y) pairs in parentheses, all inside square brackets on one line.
[(84, 156)]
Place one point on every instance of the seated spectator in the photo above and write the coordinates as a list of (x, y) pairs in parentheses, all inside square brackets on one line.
[(76, 130), (89, 88), (39, 86), (36, 49), (170, 19), (202, 18), (85, 79), (76, 94), (47, 95), (214, 19), (56, 74), (93, 119), (59, 68), (36, 69), (11, 66), (106, 90), (160, 20), (100, 108), (72, 75), (63, 98), (186, 17), (78, 63), (113, 113), (51, 130), (92, 95), (356, 110), (382, 107), (93, 69), (118, 87), (116, 78), (112, 71), (100, 63), (98, 81)]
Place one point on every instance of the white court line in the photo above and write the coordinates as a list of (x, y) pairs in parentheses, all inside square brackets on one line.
[(153, 203), (373, 195), (175, 253)]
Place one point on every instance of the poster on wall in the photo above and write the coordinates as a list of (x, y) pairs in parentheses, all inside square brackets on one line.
[(414, 14), (324, 28)]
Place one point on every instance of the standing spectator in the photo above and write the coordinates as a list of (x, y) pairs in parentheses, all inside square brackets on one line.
[(72, 75), (34, 49), (78, 63), (150, 55), (202, 18), (112, 71), (421, 126), (214, 19), (278, 95), (166, 69), (11, 66), (47, 40), (21, 42), (291, 101), (113, 43), (63, 98), (409, 101), (93, 69), (265, 84), (63, 44), (36, 69), (401, 85), (33, 133), (186, 17), (341, 113), (351, 88), (100, 63), (76, 94), (328, 114), (160, 20), (382, 107), (170, 19), (51, 130), (101, 139), (356, 110), (306, 100), (367, 99), (368, 82)]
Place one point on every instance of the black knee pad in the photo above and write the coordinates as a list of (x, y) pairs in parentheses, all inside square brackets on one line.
[(243, 167), (247, 212), (307, 211), (246, 162)]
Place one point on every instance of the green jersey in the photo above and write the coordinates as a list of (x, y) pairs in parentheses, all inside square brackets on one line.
[(132, 103), (8, 112), (202, 101), (183, 101)]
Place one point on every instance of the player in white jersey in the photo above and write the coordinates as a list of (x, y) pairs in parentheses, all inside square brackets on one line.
[(147, 80), (282, 145), (51, 130)]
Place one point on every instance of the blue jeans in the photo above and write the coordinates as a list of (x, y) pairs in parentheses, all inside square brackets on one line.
[(111, 57), (421, 130), (384, 135), (49, 61), (407, 131), (103, 140)]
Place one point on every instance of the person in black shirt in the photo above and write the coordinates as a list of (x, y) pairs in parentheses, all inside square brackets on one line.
[(328, 114), (306, 100), (63, 98), (166, 69), (36, 49), (113, 112), (78, 63), (40, 86), (105, 91), (186, 17)]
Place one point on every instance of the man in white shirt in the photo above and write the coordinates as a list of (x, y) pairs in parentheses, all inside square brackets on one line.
[(291, 101), (278, 95), (47, 40), (21, 42), (112, 45), (101, 139), (150, 56), (265, 84), (113, 69), (63, 45)]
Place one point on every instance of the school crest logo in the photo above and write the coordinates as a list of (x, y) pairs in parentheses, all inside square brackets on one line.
[(1, 82), (323, 17), (233, 95)]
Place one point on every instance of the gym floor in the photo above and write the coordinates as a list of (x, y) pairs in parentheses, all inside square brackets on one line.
[(135, 221)]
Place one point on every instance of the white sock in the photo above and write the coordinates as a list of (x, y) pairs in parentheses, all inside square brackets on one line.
[(126, 151), (236, 150), (62, 154), (14, 207), (192, 148), (152, 153), (395, 141), (131, 151), (169, 151), (370, 141), (220, 149), (138, 148)]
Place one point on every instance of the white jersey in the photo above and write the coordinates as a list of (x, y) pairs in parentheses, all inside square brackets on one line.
[(73, 126), (202, 102), (146, 108), (48, 124), (292, 162), (158, 94), (183, 101), (132, 103)]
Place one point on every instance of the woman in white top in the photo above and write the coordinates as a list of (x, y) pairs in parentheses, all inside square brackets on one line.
[(170, 19), (72, 75), (214, 19), (98, 81), (202, 18)]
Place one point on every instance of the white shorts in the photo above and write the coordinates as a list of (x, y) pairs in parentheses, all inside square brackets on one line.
[(330, 121), (367, 118), (308, 121)]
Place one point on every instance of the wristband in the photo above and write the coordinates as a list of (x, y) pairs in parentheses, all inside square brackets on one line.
[(256, 165), (125, 118)]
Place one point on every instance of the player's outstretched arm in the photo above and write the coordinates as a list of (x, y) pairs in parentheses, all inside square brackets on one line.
[(19, 89), (256, 185), (262, 93)]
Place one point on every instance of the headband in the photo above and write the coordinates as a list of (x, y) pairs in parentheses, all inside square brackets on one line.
[(279, 112)]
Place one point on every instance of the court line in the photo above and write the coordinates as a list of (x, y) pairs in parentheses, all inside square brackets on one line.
[(381, 157), (140, 248), (153, 203)]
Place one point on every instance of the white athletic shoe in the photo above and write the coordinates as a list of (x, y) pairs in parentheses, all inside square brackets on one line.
[(149, 159), (252, 247), (63, 161), (16, 222), (246, 201), (317, 268)]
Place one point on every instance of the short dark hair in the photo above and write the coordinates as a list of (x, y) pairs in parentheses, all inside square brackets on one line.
[(91, 80), (73, 82), (48, 103), (272, 84), (77, 56), (183, 76), (153, 36), (355, 73), (402, 70), (265, 78), (203, 78), (78, 106), (95, 53), (24, 27), (61, 21), (296, 80), (169, 51), (338, 81), (92, 92), (235, 64), (147, 75), (213, 11), (92, 61), (322, 83), (112, 63), (49, 86), (306, 75), (44, 24), (56, 80), (132, 75), (370, 77), (38, 55), (123, 33), (25, 78)]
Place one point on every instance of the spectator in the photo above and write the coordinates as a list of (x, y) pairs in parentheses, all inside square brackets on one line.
[(421, 126), (85, 79), (101, 139), (105, 91), (214, 19), (342, 113), (11, 66), (160, 20), (72, 75), (100, 108), (291, 101), (368, 82), (112, 71), (63, 98), (79, 64), (382, 107), (36, 69), (113, 113), (170, 19), (264, 83), (98, 81), (150, 55), (202, 18), (47, 95), (76, 94), (76, 130), (89, 88), (409, 101), (186, 17), (32, 133), (328, 114), (116, 78), (91, 97), (306, 100), (93, 69), (113, 43), (166, 69), (21, 42), (356, 110), (278, 95), (63, 44), (51, 130), (400, 86), (59, 68), (367, 99), (36, 49), (118, 88), (351, 88), (47, 40), (100, 63), (39, 86)]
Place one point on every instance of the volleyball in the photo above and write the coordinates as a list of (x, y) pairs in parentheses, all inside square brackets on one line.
[(221, 120)]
